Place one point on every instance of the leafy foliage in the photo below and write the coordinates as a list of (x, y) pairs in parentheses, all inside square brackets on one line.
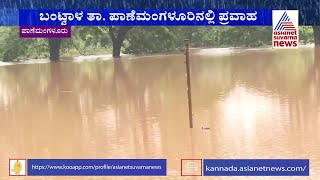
[(86, 40), (306, 34), (150, 40), (140, 40), (12, 46)]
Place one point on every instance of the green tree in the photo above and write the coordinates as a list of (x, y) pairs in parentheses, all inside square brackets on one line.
[(12, 46), (145, 40), (306, 34), (316, 33), (138, 40), (54, 48), (118, 35)]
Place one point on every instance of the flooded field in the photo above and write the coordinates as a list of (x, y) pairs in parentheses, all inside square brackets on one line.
[(253, 104)]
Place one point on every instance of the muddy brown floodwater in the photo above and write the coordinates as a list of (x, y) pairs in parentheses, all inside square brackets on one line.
[(246, 104)]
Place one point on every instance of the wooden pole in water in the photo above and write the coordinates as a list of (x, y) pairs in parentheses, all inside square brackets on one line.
[(186, 42)]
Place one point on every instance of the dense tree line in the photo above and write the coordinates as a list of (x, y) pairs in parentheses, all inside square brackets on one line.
[(138, 40)]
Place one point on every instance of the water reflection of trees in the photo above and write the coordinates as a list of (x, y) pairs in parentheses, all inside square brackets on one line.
[(284, 73)]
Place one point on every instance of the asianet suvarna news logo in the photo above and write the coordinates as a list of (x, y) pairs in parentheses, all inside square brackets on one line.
[(285, 28)]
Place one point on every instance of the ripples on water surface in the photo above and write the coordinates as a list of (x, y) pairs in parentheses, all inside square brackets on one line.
[(256, 104)]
